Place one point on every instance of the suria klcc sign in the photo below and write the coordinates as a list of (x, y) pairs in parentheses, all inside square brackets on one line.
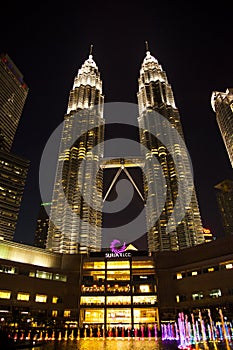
[(117, 252)]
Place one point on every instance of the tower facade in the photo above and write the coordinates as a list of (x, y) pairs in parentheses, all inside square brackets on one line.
[(13, 169), (222, 104), (155, 96), (75, 214), (13, 95), (224, 194)]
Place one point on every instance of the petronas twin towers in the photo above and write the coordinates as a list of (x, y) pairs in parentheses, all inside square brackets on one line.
[(76, 210)]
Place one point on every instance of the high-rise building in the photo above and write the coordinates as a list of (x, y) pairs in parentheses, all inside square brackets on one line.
[(13, 173), (222, 104), (155, 96), (224, 193), (76, 210), (13, 169), (13, 94), (42, 225)]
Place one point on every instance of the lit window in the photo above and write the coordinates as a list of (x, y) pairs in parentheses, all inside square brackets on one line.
[(5, 294), (66, 313), (54, 300), (197, 296), (179, 276), (41, 298), (58, 277), (194, 273), (211, 269), (215, 293), (23, 296), (229, 266), (54, 313), (177, 298), (44, 275), (144, 288)]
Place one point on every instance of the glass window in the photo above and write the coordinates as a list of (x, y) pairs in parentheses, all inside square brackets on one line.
[(41, 298), (144, 315), (144, 288), (147, 299), (118, 300), (229, 266), (92, 300), (5, 294), (119, 264), (118, 316), (58, 277), (94, 276), (179, 276), (44, 275), (66, 313), (142, 264), (197, 296), (215, 293), (23, 296), (93, 316), (7, 269), (118, 275), (54, 300), (54, 313), (94, 265)]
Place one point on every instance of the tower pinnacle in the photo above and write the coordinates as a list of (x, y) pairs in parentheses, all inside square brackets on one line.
[(91, 49), (147, 46)]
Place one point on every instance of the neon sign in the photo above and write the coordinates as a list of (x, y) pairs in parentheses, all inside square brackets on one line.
[(117, 252)]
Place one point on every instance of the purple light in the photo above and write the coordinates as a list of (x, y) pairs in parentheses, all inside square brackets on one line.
[(116, 250)]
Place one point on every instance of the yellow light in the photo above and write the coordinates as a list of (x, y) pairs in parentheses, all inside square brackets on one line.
[(179, 276), (229, 266), (194, 273)]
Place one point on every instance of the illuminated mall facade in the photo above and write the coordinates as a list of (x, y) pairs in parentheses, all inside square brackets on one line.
[(105, 291)]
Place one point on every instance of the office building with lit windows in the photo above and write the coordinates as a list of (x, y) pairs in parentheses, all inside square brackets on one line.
[(13, 168), (222, 104), (155, 99), (42, 225), (75, 224), (13, 94), (224, 195), (13, 173)]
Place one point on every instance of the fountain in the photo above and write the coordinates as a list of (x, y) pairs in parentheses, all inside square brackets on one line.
[(156, 331)]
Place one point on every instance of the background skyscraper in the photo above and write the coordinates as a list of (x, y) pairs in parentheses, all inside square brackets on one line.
[(224, 193), (42, 225), (75, 226), (222, 104), (13, 94), (155, 95), (13, 169)]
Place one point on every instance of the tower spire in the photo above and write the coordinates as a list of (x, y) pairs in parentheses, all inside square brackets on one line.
[(91, 49), (147, 46)]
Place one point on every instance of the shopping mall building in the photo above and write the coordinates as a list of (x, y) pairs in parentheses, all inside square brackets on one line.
[(106, 290)]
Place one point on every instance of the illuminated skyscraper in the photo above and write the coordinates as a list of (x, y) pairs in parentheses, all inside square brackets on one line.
[(155, 95), (76, 217), (224, 193), (13, 93), (222, 104), (13, 169)]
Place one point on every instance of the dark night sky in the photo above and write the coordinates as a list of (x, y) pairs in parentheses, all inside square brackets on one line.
[(48, 42)]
